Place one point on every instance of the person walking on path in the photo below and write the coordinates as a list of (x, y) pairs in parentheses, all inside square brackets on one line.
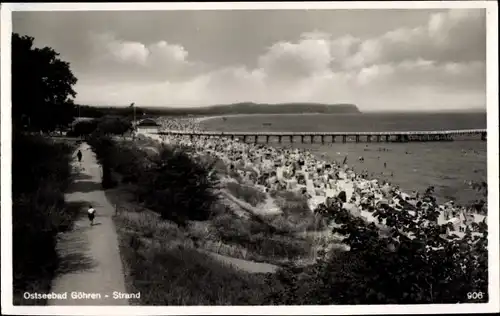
[(91, 214), (95, 248), (79, 156)]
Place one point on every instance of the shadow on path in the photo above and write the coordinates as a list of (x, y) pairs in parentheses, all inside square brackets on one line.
[(84, 187), (72, 257), (75, 262)]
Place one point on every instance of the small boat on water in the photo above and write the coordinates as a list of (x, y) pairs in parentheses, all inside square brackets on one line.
[(267, 124)]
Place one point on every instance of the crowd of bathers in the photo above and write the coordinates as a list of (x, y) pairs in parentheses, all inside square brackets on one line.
[(180, 123), (321, 182)]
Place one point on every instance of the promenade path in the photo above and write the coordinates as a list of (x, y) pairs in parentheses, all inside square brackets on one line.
[(91, 260)]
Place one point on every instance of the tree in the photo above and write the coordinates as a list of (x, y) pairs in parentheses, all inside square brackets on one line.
[(106, 125), (84, 128), (412, 262), (178, 186), (113, 125), (42, 87)]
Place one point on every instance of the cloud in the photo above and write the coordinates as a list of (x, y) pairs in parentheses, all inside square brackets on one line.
[(285, 60), (438, 63), (456, 35), (154, 61)]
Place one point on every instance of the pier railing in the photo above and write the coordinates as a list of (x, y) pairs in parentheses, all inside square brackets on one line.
[(393, 136)]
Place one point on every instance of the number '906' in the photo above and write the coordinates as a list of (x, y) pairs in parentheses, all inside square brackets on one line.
[(475, 295)]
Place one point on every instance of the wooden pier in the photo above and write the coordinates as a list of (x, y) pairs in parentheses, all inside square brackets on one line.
[(344, 137)]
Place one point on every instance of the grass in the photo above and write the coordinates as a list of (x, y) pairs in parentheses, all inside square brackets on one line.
[(187, 277), (163, 259), (258, 243), (246, 193), (161, 262), (273, 239), (297, 216), (39, 211)]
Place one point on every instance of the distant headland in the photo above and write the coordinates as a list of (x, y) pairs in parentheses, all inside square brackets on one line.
[(224, 109), (279, 108)]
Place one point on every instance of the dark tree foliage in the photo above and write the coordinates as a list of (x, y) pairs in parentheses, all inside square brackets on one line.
[(40, 174), (392, 267), (128, 162), (178, 186), (113, 125), (106, 125), (84, 128), (42, 87), (104, 147), (173, 183), (41, 92)]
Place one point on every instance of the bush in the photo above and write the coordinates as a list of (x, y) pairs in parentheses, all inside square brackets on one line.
[(42, 92), (39, 211), (246, 193), (105, 150), (113, 125), (106, 125), (297, 216), (178, 187), (171, 183), (394, 269), (230, 227), (218, 164), (84, 128)]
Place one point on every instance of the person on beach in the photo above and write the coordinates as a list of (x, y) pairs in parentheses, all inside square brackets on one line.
[(79, 156), (301, 173), (91, 214)]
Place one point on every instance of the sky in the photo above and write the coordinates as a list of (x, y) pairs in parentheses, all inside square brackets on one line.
[(377, 59)]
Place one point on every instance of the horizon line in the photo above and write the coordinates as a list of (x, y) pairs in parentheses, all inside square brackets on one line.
[(165, 107)]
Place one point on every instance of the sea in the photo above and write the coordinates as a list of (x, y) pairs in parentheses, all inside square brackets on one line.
[(449, 167)]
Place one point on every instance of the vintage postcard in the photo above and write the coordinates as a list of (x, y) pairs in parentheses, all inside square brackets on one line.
[(308, 158)]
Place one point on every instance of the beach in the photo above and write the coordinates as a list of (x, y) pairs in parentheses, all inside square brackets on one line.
[(448, 166), (326, 182)]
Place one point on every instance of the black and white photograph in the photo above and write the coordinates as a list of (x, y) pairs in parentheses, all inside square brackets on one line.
[(250, 158)]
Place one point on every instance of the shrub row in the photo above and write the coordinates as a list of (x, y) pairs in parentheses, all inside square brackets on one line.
[(41, 172), (172, 183), (394, 269)]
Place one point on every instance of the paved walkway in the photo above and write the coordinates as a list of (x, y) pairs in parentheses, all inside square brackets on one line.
[(91, 262)]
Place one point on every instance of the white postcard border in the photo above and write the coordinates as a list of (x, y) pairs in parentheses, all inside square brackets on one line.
[(492, 154)]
